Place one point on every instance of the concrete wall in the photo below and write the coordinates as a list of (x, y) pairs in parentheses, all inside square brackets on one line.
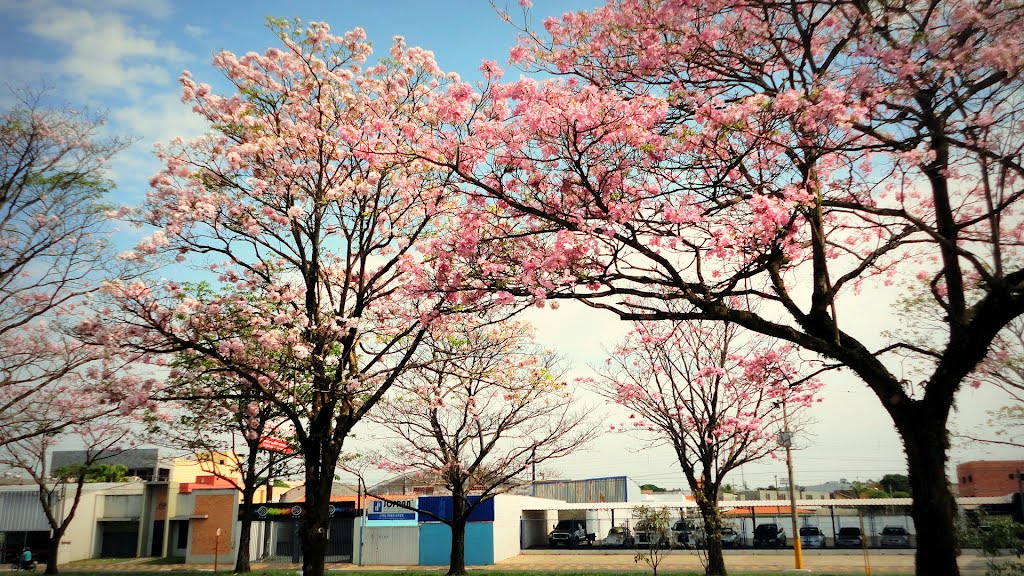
[(120, 505), (522, 521), (77, 542), (508, 525)]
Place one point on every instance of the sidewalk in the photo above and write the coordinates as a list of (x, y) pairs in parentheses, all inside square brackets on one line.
[(815, 563), (903, 563)]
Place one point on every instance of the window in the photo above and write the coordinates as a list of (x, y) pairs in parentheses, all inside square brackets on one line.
[(145, 474), (182, 535)]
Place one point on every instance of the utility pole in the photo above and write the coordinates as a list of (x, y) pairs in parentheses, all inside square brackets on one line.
[(268, 499), (786, 439), (533, 473)]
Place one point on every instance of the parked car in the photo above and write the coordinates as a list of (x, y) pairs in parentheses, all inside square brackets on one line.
[(687, 534), (570, 533), (647, 535), (811, 537), (619, 537), (849, 537), (895, 537), (730, 538), (769, 536)]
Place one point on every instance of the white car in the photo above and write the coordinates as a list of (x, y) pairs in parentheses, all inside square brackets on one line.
[(619, 537), (730, 538)]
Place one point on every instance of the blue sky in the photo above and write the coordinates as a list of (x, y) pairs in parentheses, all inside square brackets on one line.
[(124, 56)]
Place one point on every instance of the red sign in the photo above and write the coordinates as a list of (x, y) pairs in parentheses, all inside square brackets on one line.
[(272, 444)]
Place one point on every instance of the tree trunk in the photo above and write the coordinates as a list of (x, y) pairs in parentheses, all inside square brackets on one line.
[(319, 479), (457, 560), (457, 563), (242, 564), (934, 508), (52, 547), (314, 537), (708, 505)]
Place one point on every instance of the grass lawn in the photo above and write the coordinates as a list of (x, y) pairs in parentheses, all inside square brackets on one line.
[(174, 567), (144, 570)]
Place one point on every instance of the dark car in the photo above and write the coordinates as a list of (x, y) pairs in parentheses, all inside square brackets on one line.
[(570, 533), (849, 538), (895, 537), (769, 536)]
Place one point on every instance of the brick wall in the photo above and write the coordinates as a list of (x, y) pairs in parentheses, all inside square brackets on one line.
[(989, 477), (220, 507)]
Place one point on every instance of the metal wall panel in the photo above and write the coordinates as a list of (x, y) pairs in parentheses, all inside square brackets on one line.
[(390, 545), (441, 506), (21, 511), (575, 491), (436, 544)]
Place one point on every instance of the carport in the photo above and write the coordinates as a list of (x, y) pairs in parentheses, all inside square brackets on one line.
[(827, 514)]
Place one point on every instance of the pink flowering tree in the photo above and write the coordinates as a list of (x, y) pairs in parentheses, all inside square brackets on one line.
[(481, 410), (53, 255), (1004, 369), (713, 394), (791, 155), (309, 237), (60, 491), (232, 433)]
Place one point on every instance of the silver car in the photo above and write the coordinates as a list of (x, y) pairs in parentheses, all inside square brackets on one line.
[(811, 537), (895, 537), (730, 539)]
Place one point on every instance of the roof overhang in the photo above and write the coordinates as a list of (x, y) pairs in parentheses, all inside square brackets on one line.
[(732, 504)]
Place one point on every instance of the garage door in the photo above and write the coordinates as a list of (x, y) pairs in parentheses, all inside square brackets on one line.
[(391, 545)]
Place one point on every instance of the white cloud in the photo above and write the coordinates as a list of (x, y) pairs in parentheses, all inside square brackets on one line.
[(196, 31), (154, 8), (156, 119), (577, 331), (159, 119), (102, 51)]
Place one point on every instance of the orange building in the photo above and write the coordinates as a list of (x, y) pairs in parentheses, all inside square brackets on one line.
[(990, 477)]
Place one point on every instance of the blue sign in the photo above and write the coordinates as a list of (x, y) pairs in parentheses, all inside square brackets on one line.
[(389, 513)]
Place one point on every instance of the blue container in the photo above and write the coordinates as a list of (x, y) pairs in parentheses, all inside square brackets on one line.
[(436, 543)]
